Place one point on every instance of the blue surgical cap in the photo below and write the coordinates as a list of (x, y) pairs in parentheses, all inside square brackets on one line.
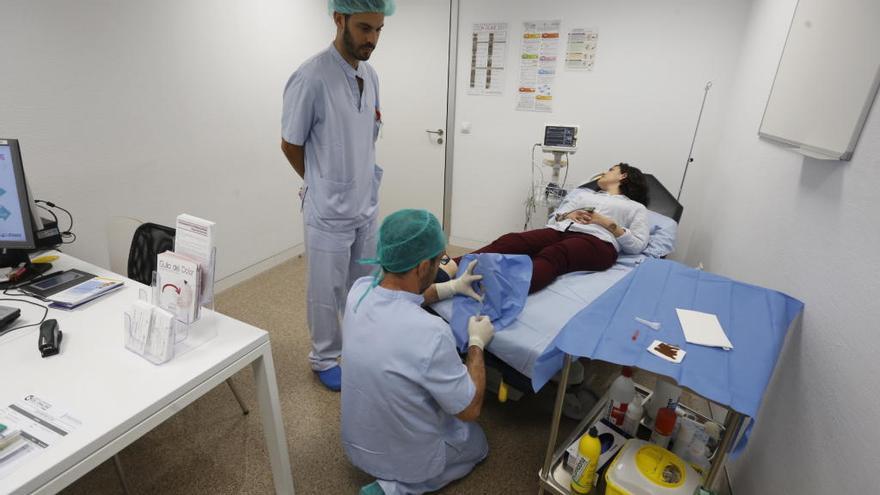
[(408, 237), (385, 7)]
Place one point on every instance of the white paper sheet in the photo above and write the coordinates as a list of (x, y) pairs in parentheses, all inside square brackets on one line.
[(703, 329)]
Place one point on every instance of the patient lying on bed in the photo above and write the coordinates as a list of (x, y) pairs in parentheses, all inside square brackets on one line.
[(586, 232)]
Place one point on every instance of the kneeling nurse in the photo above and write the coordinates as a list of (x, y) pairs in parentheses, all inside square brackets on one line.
[(409, 404)]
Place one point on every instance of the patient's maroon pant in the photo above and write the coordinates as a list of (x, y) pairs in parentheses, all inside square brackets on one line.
[(555, 253)]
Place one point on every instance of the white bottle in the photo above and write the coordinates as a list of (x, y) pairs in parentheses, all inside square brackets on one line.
[(622, 392), (696, 455), (713, 432), (633, 416), (686, 431)]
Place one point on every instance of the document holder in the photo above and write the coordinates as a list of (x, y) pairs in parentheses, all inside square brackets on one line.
[(158, 337)]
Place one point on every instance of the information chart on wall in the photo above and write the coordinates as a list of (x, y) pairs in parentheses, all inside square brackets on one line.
[(488, 56), (580, 52), (537, 70)]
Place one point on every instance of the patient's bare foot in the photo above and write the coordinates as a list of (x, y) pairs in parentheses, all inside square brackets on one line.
[(451, 268)]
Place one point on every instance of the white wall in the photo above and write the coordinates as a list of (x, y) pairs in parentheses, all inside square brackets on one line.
[(808, 228), (639, 104), (150, 109)]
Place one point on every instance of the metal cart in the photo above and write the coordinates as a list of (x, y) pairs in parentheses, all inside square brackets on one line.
[(554, 478)]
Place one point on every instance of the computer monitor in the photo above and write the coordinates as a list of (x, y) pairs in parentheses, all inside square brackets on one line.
[(18, 219)]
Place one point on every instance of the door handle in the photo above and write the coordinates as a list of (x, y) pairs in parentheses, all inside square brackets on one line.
[(438, 132)]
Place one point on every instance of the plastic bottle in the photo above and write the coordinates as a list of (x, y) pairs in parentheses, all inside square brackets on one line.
[(685, 436), (633, 416), (622, 392), (663, 426), (666, 394), (696, 456), (681, 416), (589, 449), (713, 432)]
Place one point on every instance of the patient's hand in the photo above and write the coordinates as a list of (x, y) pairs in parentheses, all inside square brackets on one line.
[(586, 217), (600, 219), (581, 216)]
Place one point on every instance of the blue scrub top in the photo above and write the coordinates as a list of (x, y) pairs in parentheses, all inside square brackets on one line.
[(402, 384), (325, 112)]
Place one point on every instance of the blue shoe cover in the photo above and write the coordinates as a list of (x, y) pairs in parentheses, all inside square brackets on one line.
[(332, 378)]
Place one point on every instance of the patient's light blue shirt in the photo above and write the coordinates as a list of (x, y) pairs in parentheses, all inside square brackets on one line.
[(402, 384), (325, 112), (630, 215)]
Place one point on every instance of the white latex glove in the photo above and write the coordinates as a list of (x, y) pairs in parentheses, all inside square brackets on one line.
[(480, 331), (460, 285)]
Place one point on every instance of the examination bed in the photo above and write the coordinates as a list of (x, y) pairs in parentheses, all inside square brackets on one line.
[(514, 349)]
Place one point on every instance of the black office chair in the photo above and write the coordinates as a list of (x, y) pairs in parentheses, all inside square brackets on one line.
[(149, 240)]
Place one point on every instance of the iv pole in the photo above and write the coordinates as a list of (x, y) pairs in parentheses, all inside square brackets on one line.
[(694, 140)]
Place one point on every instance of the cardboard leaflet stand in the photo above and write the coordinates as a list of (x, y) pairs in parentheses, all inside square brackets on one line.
[(167, 320)]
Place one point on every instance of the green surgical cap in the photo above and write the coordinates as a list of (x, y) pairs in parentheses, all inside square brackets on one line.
[(385, 7), (406, 238)]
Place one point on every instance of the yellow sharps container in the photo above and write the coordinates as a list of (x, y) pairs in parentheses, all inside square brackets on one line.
[(642, 468)]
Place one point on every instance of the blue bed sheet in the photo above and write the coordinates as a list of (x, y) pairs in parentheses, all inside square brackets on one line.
[(505, 287), (545, 313)]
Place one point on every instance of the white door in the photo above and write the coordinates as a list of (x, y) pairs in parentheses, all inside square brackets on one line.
[(412, 59)]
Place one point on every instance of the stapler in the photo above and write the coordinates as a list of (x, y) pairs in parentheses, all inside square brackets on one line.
[(50, 338)]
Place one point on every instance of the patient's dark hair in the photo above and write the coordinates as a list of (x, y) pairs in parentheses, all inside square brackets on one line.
[(634, 186)]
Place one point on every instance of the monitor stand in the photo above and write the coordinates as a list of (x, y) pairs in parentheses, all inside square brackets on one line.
[(15, 257)]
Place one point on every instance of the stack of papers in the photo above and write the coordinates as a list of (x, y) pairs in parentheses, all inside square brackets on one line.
[(84, 292), (194, 238)]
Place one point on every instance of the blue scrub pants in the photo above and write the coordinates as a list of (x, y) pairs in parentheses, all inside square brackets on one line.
[(332, 269), (461, 457)]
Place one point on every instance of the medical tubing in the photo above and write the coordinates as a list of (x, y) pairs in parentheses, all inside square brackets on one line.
[(530, 200), (564, 177)]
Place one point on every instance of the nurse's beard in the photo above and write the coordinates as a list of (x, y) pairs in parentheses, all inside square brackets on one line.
[(360, 52)]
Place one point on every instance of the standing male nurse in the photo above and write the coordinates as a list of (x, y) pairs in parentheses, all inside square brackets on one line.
[(330, 123)]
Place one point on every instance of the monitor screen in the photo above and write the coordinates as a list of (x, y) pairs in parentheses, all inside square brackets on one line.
[(560, 136), (16, 229)]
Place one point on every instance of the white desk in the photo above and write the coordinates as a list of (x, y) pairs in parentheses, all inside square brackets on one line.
[(120, 396)]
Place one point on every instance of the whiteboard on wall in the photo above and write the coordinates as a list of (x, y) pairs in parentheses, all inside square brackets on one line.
[(827, 78)]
